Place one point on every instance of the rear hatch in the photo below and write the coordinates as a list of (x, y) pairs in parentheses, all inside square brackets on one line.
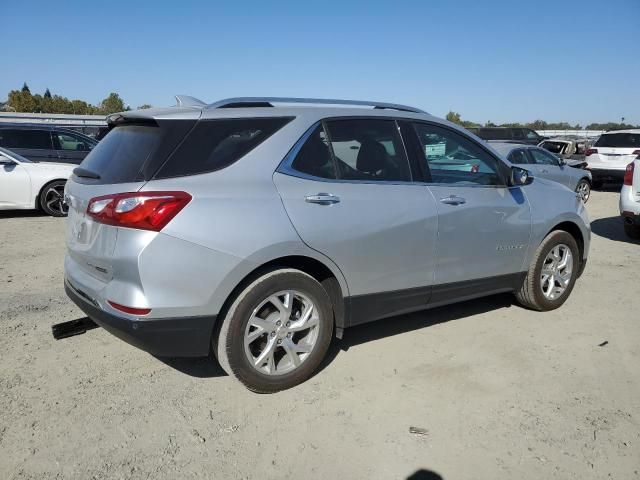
[(614, 151), (122, 162)]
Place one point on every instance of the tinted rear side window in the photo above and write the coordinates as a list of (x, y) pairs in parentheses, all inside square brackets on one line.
[(216, 144), (619, 140), (27, 138), (495, 134)]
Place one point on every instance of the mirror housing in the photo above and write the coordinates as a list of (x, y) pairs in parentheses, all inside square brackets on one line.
[(519, 177)]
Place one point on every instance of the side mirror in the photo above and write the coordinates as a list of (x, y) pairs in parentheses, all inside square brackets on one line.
[(6, 161), (519, 177)]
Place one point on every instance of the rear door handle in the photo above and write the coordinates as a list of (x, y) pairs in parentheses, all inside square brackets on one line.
[(322, 199), (453, 200)]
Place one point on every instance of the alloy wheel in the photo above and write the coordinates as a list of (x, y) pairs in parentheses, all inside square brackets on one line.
[(556, 271)]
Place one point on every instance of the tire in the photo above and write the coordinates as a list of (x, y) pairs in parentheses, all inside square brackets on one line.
[(632, 231), (51, 199), (531, 293), (584, 189), (252, 305)]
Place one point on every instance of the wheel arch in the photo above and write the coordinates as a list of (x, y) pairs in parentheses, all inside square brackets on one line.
[(321, 272), (574, 230), (45, 185)]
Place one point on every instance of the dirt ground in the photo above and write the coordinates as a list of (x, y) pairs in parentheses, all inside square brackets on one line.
[(497, 391)]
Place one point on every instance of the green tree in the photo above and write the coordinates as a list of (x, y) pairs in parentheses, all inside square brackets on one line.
[(454, 117), (21, 101), (47, 93), (112, 104), (25, 88)]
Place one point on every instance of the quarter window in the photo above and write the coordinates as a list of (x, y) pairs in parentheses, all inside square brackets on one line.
[(453, 158), (368, 150), (542, 157)]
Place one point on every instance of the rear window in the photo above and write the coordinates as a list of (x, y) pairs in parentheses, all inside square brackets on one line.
[(216, 144), (619, 140), (121, 155)]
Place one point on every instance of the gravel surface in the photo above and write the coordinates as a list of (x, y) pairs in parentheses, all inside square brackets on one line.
[(479, 390)]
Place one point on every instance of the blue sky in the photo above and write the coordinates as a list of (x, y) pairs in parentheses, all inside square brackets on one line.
[(576, 61)]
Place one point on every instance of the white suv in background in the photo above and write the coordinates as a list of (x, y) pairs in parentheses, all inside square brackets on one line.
[(630, 199), (610, 155)]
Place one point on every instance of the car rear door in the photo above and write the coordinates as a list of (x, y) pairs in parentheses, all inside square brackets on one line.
[(347, 188), (483, 225), (32, 143)]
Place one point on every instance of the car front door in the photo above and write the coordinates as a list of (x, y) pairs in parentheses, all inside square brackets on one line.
[(347, 188), (546, 165), (71, 148), (32, 143), (15, 184), (483, 225)]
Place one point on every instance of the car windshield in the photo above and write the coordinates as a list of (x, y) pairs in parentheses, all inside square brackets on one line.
[(619, 140), (14, 155)]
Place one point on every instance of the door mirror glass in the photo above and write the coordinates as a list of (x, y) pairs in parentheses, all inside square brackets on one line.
[(519, 177)]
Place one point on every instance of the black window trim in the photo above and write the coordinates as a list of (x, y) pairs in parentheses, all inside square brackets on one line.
[(502, 167), (286, 168), (46, 129)]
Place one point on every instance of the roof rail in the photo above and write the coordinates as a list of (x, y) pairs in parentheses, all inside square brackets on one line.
[(187, 101), (268, 101)]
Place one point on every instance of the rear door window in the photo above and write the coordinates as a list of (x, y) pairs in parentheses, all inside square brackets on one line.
[(368, 150), (25, 138), (542, 157), (71, 141), (518, 157), (619, 140), (314, 158), (216, 144)]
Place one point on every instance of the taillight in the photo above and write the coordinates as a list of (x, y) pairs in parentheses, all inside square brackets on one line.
[(141, 210), (628, 174), (590, 151)]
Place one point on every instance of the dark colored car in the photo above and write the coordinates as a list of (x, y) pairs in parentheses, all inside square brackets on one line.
[(508, 134), (46, 143)]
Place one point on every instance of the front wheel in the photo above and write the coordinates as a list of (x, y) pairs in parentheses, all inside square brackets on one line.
[(584, 189), (52, 199), (552, 273), (276, 332), (632, 231)]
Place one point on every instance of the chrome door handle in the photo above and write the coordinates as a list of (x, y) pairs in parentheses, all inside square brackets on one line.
[(453, 200), (322, 199)]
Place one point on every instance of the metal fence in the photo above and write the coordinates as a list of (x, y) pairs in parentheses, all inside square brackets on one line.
[(570, 133), (53, 118)]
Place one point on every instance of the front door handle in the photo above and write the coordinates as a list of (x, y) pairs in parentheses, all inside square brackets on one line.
[(322, 199), (453, 200)]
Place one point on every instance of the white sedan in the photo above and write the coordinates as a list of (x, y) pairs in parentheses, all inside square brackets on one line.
[(28, 185)]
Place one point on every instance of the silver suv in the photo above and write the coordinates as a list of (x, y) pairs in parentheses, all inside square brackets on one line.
[(259, 228)]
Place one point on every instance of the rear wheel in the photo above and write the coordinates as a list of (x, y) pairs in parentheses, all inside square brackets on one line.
[(584, 189), (552, 273), (632, 231), (52, 199), (276, 332)]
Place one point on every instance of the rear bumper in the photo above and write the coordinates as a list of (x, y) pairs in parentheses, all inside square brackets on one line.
[(170, 337), (606, 174)]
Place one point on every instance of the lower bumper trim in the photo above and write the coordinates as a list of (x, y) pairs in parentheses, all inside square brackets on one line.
[(167, 337)]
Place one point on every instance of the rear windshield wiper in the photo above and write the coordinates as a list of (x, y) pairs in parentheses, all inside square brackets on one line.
[(84, 173)]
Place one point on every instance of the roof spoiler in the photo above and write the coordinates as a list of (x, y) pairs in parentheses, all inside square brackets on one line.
[(187, 101)]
